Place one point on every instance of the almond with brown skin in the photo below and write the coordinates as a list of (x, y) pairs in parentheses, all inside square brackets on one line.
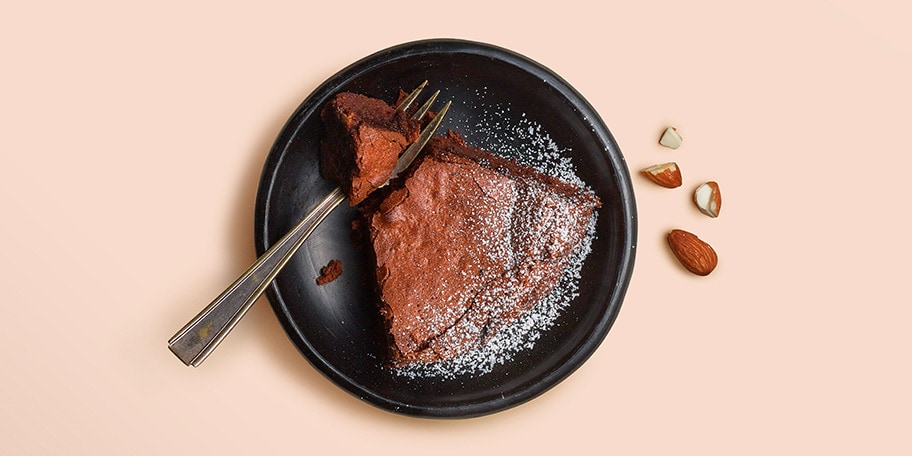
[(708, 198), (666, 174), (695, 255)]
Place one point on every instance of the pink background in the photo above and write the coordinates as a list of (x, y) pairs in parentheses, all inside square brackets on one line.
[(131, 142)]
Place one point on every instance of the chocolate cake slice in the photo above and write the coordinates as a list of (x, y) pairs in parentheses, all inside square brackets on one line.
[(465, 244), (364, 137)]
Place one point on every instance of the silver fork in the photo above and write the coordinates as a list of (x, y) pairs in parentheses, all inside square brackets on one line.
[(198, 338)]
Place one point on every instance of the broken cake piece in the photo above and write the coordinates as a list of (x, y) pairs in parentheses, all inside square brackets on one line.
[(330, 272), (364, 137), (465, 243)]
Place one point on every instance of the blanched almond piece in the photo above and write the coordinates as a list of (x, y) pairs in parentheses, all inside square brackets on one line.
[(671, 138), (708, 198), (666, 174)]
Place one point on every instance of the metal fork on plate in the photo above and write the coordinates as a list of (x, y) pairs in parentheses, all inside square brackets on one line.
[(198, 338)]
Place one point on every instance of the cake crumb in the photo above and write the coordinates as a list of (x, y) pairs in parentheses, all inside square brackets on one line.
[(330, 272)]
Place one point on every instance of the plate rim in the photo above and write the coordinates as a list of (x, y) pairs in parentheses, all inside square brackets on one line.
[(610, 149)]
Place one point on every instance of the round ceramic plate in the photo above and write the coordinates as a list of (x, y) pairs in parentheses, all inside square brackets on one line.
[(337, 326)]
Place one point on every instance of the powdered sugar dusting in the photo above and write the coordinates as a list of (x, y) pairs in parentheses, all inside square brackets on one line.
[(501, 131)]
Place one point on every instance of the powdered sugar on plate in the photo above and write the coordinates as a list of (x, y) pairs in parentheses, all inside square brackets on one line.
[(499, 131)]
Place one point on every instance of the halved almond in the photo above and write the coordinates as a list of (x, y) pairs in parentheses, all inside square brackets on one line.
[(666, 174), (708, 198)]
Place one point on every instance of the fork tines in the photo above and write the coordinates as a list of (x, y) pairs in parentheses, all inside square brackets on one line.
[(412, 151), (421, 111)]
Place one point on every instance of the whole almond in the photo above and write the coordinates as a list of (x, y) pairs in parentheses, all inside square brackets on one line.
[(695, 255), (666, 174)]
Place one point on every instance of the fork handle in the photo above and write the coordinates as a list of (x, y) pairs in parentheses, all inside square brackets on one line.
[(198, 338)]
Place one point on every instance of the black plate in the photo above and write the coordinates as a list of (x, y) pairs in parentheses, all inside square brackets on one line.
[(337, 327)]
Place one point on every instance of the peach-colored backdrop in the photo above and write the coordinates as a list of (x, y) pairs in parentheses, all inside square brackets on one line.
[(132, 137)]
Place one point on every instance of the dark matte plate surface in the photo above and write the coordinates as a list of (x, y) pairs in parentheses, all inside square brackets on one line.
[(337, 327)]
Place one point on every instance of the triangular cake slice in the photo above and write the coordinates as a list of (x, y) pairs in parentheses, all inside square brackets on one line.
[(466, 243), (364, 137)]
